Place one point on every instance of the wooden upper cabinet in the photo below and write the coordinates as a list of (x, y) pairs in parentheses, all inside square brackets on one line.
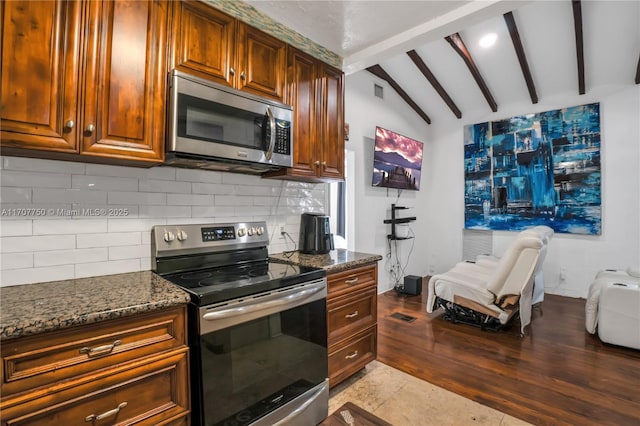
[(84, 78), (211, 44), (125, 90), (262, 61), (40, 74), (316, 92), (204, 41), (331, 144)]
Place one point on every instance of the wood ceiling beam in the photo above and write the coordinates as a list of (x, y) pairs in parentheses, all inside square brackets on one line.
[(458, 45), (378, 71), (638, 72), (577, 23), (522, 58), (434, 82)]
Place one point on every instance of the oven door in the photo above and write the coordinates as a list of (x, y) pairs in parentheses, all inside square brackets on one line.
[(211, 121), (263, 359)]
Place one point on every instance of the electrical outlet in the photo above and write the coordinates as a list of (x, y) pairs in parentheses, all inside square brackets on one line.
[(563, 274), (282, 231)]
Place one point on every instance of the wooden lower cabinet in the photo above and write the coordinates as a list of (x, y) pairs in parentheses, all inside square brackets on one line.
[(352, 303), (74, 376)]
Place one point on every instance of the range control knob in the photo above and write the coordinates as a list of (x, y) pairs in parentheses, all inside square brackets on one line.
[(169, 236), (251, 231), (260, 230), (242, 232), (181, 235)]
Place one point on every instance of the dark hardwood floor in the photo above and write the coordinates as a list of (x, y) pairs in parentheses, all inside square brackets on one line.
[(556, 374)]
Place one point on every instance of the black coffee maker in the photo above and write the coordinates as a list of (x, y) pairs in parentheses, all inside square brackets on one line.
[(315, 234)]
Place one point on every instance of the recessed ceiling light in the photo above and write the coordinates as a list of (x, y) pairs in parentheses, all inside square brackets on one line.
[(488, 40)]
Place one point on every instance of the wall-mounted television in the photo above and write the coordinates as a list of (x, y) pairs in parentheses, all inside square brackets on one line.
[(397, 161)]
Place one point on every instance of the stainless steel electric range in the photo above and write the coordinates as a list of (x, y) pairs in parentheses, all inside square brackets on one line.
[(257, 328)]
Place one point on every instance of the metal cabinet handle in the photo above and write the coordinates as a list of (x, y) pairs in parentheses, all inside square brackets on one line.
[(324, 164), (91, 128), (94, 417), (100, 350), (232, 71), (317, 163), (242, 76), (353, 355), (69, 124), (355, 314), (351, 281)]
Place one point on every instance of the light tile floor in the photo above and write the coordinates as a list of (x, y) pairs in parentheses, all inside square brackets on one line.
[(402, 399)]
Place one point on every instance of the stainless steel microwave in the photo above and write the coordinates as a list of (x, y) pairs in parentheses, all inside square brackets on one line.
[(211, 126)]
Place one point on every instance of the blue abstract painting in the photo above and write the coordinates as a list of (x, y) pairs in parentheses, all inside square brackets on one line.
[(535, 169)]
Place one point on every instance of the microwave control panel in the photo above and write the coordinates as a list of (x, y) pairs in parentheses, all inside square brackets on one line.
[(283, 137)]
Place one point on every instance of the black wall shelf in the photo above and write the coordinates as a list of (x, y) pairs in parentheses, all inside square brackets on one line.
[(397, 220)]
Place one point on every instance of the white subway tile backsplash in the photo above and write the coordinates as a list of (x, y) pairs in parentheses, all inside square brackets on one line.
[(163, 173), (104, 183), (109, 239), (34, 179), (152, 198), (214, 188), (84, 270), (16, 260), (14, 228), (232, 200), (15, 195), (59, 196), (70, 257), (69, 240), (69, 226), (34, 164), (189, 200), (165, 211), (134, 225), (191, 175), (213, 211), (35, 275), (156, 185), (37, 243), (129, 252)]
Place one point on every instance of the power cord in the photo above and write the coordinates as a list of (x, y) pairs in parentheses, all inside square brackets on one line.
[(397, 270), (288, 254)]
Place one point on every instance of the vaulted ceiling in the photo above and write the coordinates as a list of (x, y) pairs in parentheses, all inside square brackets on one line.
[(428, 51)]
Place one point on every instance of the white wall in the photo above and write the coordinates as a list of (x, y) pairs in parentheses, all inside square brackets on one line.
[(363, 112), (49, 245), (439, 204)]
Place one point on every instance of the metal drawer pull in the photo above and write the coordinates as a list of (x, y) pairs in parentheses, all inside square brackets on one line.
[(351, 281), (115, 411), (353, 355), (100, 350), (355, 314)]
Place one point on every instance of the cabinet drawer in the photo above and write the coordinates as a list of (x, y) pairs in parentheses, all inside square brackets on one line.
[(41, 360), (352, 354), (351, 313), (154, 393), (351, 280)]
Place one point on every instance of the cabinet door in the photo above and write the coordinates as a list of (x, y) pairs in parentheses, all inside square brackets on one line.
[(124, 90), (331, 144), (261, 63), (301, 73), (204, 41), (40, 74)]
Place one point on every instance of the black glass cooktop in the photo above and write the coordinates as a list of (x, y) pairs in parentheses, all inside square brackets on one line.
[(213, 285)]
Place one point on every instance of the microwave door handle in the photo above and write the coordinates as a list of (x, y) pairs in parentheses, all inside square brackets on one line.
[(272, 139)]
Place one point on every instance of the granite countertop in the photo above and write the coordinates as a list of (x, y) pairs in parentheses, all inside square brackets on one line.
[(35, 308), (334, 261)]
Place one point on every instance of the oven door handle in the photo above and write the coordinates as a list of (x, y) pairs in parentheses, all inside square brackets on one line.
[(270, 301), (295, 413)]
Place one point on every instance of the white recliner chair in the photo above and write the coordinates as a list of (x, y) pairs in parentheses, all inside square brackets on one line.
[(487, 295), (613, 307), (545, 233)]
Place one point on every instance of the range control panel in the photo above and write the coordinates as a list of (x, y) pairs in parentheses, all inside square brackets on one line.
[(218, 233), (203, 237)]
